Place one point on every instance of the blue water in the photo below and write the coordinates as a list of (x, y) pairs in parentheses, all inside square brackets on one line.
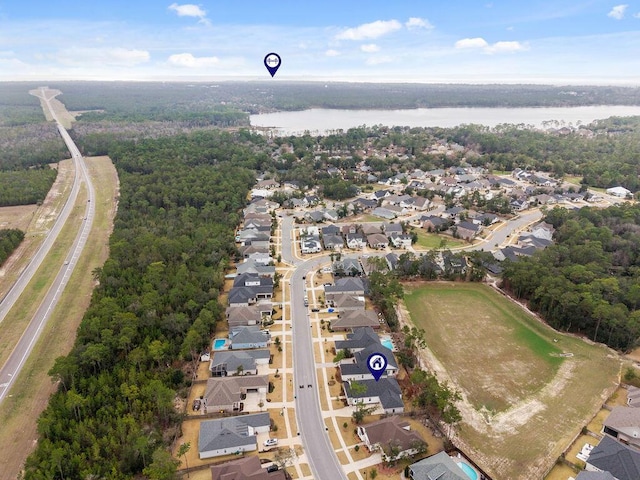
[(219, 343), (386, 342), (471, 473)]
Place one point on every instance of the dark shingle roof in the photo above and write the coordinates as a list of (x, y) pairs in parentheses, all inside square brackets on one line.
[(621, 461)]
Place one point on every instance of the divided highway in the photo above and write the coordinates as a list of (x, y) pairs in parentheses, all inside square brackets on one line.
[(10, 370)]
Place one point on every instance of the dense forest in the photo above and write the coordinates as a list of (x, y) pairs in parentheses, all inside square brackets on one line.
[(24, 187), (155, 100), (156, 305), (9, 241), (588, 281)]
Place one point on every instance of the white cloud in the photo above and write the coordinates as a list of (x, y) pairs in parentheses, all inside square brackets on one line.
[(370, 48), (370, 30), (332, 53), (416, 22), (498, 47), (191, 10), (189, 61), (505, 47), (106, 56), (477, 42), (188, 10), (617, 12)]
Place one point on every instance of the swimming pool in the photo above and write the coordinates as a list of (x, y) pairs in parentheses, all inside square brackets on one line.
[(219, 343), (470, 472), (386, 342)]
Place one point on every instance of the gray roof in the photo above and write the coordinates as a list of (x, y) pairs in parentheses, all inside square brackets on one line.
[(223, 391), (230, 360), (231, 432), (331, 239), (355, 319), (387, 389), (346, 285), (437, 467), (360, 366), (361, 337), (248, 334), (584, 475), (621, 461), (241, 295), (625, 420), (633, 396)]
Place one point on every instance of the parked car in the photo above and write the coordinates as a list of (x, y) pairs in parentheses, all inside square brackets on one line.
[(271, 442)]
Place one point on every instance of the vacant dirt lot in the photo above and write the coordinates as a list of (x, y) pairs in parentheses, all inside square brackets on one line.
[(522, 401)]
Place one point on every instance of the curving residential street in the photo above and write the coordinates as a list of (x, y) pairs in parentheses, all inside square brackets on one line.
[(10, 370)]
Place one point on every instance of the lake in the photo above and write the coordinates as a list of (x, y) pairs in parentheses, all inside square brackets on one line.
[(320, 120)]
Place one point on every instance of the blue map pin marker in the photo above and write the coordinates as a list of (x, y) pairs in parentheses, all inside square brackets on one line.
[(272, 61), (377, 364)]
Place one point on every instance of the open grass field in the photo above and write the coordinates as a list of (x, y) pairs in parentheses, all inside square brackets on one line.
[(523, 402), (433, 240), (29, 396)]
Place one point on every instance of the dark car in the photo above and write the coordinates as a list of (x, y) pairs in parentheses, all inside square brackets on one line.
[(272, 468)]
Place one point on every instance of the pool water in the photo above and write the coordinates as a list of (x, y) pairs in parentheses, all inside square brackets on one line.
[(471, 473), (386, 342), (219, 343)]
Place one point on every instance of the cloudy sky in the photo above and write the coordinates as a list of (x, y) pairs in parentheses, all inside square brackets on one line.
[(463, 41)]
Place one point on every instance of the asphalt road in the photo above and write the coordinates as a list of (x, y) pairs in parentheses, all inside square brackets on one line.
[(27, 274), (322, 458), (10, 370)]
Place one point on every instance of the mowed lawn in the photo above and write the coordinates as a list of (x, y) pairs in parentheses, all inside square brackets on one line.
[(525, 402)]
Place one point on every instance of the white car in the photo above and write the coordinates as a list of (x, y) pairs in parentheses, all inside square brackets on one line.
[(271, 442)]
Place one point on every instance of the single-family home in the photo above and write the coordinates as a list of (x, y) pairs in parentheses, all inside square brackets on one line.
[(332, 242), (467, 230), (249, 336), (377, 241), (435, 224), (623, 424), (253, 267), (226, 394), (356, 368), (619, 460), (231, 435), (238, 362), (355, 241), (354, 319), (360, 339), (261, 287), (400, 240), (633, 396), (344, 302), (388, 228), (240, 315), (315, 216), (385, 391), (439, 466), (347, 266), (385, 212), (392, 437), (421, 203), (330, 230), (543, 230), (392, 260), (310, 245), (350, 285), (247, 468)]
